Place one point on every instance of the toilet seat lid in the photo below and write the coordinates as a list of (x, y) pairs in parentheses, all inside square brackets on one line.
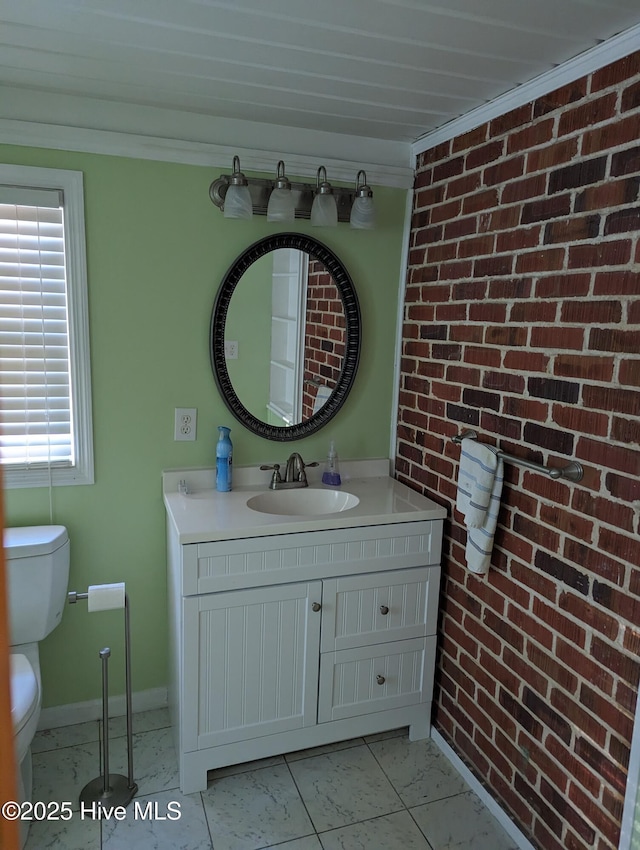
[(24, 691)]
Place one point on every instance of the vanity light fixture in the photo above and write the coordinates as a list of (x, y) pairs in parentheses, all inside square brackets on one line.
[(282, 205), (324, 212), (237, 201), (363, 213), (283, 200)]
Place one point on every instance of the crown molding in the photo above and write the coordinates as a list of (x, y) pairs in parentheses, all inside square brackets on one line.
[(72, 123), (614, 48)]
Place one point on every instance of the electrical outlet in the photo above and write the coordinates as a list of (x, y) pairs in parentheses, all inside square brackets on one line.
[(231, 349), (185, 423)]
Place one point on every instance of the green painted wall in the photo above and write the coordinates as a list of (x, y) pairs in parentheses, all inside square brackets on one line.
[(157, 249)]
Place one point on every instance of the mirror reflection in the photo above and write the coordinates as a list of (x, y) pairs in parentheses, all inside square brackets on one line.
[(286, 332), (285, 336)]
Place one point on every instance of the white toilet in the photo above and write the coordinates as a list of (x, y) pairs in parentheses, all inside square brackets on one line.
[(37, 560)]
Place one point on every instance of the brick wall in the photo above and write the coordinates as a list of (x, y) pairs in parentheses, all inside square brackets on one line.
[(522, 320), (324, 335)]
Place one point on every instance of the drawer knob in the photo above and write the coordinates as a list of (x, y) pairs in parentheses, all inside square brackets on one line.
[(316, 606), (384, 610), (380, 679)]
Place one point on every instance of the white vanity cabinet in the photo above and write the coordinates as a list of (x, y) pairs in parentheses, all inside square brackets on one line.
[(287, 641)]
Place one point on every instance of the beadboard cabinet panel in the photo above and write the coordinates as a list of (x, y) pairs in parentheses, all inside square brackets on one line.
[(298, 640)]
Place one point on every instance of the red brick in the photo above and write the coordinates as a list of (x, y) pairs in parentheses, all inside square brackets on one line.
[(588, 113), (613, 193), (613, 658), (620, 546), (456, 270), (563, 286), (547, 208), (487, 312), (566, 520), (471, 139), (545, 337), (441, 251), (449, 168), (591, 615), (630, 372), (526, 361), (570, 93), (503, 171), (503, 218), (499, 264), (480, 201), (612, 135), (558, 153), (517, 240), (525, 408), (476, 246), (616, 72), (590, 559), (592, 312), (482, 155), (482, 356), (548, 259), (584, 421), (446, 211), (463, 185), (460, 227), (585, 367), (585, 667), (522, 190), (434, 154), (513, 288), (550, 666), (611, 399), (572, 229), (531, 312), (613, 253), (630, 98), (603, 509)]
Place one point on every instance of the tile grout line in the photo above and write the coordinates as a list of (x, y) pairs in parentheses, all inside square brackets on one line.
[(406, 807)]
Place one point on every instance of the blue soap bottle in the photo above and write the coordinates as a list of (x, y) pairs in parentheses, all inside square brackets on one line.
[(224, 459)]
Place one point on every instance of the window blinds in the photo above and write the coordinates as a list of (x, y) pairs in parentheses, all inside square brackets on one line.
[(35, 390)]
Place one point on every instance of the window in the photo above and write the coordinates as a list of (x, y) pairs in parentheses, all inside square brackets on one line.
[(45, 393)]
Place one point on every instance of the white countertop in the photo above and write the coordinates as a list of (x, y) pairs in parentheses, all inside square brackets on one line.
[(205, 515)]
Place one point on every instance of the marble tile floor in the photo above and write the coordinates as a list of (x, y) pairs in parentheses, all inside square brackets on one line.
[(376, 792)]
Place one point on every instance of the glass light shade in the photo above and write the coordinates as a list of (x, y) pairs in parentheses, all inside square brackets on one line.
[(324, 211), (237, 202), (363, 214), (281, 206)]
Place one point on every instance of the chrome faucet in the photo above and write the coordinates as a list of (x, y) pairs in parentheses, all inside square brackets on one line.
[(295, 475)]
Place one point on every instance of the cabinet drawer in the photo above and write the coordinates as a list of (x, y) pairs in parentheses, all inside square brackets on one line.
[(283, 558), (375, 678), (370, 609)]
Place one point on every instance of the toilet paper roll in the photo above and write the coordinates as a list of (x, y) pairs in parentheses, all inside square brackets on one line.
[(105, 597)]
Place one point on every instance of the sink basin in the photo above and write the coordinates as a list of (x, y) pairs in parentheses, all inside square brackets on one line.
[(302, 502)]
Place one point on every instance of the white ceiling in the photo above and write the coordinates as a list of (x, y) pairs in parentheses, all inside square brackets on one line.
[(373, 69)]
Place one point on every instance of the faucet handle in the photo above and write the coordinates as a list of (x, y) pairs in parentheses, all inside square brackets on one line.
[(315, 463), (275, 478)]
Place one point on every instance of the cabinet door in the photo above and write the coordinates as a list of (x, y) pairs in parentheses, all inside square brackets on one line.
[(367, 609), (257, 654), (375, 678)]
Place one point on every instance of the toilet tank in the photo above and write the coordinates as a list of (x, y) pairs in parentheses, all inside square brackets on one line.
[(37, 560)]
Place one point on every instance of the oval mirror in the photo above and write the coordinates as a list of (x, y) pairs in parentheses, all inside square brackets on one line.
[(285, 336)]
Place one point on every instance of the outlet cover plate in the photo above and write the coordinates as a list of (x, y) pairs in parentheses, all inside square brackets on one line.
[(185, 423)]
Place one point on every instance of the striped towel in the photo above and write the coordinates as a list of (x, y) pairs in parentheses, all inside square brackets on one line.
[(479, 489)]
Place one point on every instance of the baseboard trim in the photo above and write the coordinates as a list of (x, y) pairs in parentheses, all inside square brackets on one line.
[(81, 712), (499, 814)]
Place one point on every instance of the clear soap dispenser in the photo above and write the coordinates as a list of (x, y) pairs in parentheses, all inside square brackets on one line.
[(331, 474)]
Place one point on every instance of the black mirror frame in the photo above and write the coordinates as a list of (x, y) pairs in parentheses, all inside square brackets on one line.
[(347, 292)]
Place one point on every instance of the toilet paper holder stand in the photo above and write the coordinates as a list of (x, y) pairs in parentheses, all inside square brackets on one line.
[(111, 789)]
